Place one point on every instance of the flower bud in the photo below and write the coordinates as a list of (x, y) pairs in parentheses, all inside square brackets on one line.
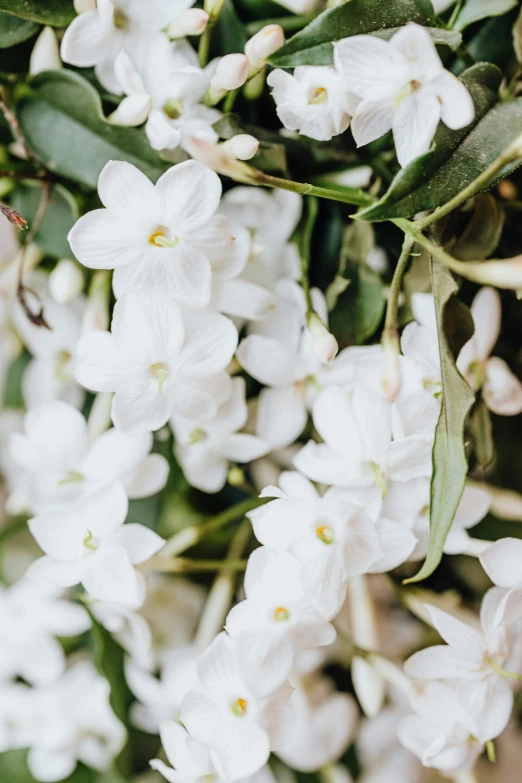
[(191, 22), (263, 43), (504, 273), (391, 370), (325, 344), (46, 53), (65, 281), (213, 7), (231, 72), (81, 6), (241, 147), (215, 157), (96, 315)]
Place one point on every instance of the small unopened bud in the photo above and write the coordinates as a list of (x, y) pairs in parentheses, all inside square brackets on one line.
[(231, 72), (215, 157), (213, 8), (46, 53), (96, 315), (504, 273), (65, 281), (325, 344), (191, 22), (236, 477), (81, 6), (391, 370), (263, 43), (241, 147)]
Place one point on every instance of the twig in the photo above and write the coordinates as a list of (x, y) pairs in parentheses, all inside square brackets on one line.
[(19, 137), (37, 318)]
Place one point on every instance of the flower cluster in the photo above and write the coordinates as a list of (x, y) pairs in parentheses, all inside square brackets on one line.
[(197, 375)]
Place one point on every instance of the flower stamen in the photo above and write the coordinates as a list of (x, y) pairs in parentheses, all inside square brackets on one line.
[(161, 373), (239, 707)]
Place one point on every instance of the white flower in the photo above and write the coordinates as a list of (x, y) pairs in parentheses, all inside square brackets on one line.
[(469, 653), (232, 713), (502, 562), (204, 449), (164, 235), (165, 86), (31, 615), (49, 375), (314, 101), (160, 699), (403, 86), (323, 724), (191, 762), (58, 460), (501, 389), (331, 538), (130, 629), (87, 542), (280, 353), (156, 361), (359, 451), (277, 616), (96, 37), (72, 721)]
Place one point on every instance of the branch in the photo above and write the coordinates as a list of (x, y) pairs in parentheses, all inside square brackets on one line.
[(37, 318)]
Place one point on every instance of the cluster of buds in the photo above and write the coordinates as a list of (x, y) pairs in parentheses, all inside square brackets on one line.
[(235, 70)]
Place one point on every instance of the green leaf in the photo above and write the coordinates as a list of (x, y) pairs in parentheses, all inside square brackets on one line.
[(481, 430), (456, 157), (359, 307), (483, 231), (475, 10), (56, 13), (60, 216), (450, 466), (63, 123), (229, 34), (14, 30), (109, 660), (313, 45)]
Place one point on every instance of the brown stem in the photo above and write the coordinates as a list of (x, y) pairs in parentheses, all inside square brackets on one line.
[(36, 318), (16, 130)]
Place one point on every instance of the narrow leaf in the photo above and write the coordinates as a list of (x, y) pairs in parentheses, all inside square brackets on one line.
[(64, 125), (314, 44), (450, 466), (475, 10)]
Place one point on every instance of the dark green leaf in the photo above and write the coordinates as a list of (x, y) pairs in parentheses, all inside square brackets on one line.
[(357, 310), (474, 10), (64, 125), (313, 45), (60, 216), (457, 157), (450, 466), (481, 430), (109, 660), (229, 33), (483, 231), (14, 30), (57, 13)]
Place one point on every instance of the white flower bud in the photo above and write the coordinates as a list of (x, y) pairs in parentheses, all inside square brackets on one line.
[(231, 72), (263, 43), (96, 315), (81, 6), (215, 157), (391, 370), (46, 53), (325, 344), (241, 147), (191, 22), (65, 281)]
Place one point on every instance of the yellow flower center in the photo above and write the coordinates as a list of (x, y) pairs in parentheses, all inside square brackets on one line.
[(325, 534), (281, 614), (319, 96), (173, 108), (239, 707), (160, 371), (159, 238), (121, 20)]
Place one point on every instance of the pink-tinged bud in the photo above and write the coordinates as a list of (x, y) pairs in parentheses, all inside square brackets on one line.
[(241, 147), (231, 72), (263, 44), (391, 370), (65, 281), (191, 22), (215, 157)]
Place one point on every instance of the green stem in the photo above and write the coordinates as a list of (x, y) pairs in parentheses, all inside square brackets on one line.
[(184, 565), (510, 155), (392, 310), (312, 209), (455, 14), (345, 195), (190, 536), (228, 103), (204, 43)]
